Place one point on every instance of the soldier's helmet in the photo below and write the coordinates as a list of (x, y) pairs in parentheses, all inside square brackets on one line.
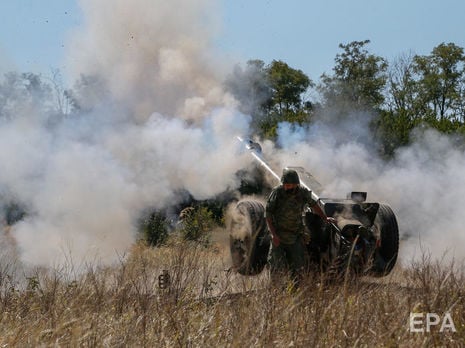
[(290, 176)]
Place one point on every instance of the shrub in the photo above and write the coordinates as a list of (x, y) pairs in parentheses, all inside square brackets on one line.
[(154, 228), (196, 224)]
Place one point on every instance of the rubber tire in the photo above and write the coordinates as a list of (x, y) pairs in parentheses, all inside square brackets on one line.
[(388, 228), (249, 252)]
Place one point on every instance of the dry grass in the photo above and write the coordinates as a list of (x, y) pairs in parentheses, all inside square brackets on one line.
[(206, 306)]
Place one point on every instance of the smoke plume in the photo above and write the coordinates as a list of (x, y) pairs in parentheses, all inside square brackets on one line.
[(152, 55), (154, 121)]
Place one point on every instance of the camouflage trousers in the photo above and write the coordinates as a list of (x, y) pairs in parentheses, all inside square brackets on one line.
[(288, 258)]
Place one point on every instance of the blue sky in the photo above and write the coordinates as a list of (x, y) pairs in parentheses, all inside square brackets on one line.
[(33, 33), (303, 33), (306, 34)]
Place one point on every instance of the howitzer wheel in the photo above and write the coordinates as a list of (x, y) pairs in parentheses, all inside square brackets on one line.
[(248, 236), (386, 255)]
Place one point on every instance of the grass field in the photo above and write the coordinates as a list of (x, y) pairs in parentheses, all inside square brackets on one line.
[(206, 306)]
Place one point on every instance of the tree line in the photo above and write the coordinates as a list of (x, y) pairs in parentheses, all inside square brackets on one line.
[(412, 91)]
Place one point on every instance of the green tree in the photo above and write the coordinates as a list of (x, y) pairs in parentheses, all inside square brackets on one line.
[(402, 108), (358, 80), (270, 94), (153, 227), (392, 130), (423, 89), (196, 224), (402, 88), (440, 82), (286, 104), (287, 85)]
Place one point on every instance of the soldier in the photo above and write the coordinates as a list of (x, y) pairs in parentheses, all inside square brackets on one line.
[(283, 214)]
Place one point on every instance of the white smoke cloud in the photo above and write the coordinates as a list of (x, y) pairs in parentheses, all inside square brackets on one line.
[(152, 55), (84, 190), (159, 123)]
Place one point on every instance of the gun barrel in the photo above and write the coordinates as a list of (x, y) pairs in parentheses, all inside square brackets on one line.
[(255, 150)]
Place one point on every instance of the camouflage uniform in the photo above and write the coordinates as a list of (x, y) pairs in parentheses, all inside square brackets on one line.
[(285, 209)]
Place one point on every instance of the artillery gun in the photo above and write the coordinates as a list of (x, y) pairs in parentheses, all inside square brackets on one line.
[(361, 237)]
